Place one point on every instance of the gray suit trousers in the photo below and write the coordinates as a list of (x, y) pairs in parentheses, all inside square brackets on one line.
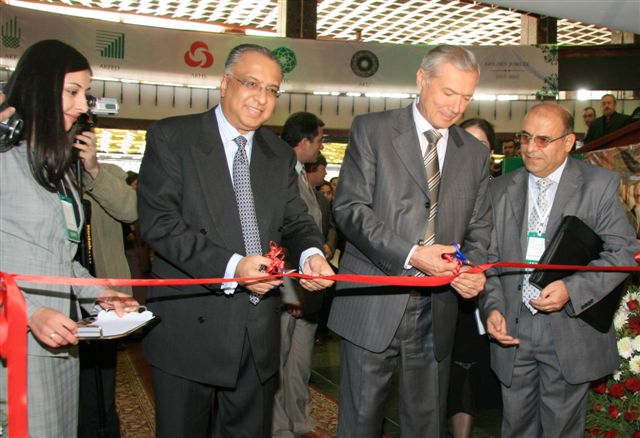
[(292, 404), (540, 402), (423, 381)]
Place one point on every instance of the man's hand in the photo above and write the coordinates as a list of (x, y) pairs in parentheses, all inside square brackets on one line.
[(7, 112), (552, 298), (295, 309), (53, 328), (428, 259), (253, 266), (469, 285), (120, 302), (88, 152), (316, 265), (326, 249), (497, 329)]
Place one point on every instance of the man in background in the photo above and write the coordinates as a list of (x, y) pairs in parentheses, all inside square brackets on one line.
[(112, 203), (588, 116), (610, 121), (509, 149), (299, 319)]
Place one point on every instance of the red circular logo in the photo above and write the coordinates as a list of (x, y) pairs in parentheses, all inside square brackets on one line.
[(198, 55)]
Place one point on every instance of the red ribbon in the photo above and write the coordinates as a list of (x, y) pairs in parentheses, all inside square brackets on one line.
[(276, 254), (13, 348), (13, 322)]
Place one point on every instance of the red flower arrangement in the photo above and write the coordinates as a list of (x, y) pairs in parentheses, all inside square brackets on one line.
[(614, 401)]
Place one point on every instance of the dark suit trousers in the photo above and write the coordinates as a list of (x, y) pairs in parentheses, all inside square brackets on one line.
[(184, 407), (98, 361), (539, 401), (365, 377)]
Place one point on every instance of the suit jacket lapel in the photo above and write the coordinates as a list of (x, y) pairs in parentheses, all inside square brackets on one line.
[(517, 194), (452, 157), (211, 166), (407, 146), (570, 182)]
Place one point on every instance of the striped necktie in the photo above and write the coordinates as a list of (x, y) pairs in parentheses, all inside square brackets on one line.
[(432, 167)]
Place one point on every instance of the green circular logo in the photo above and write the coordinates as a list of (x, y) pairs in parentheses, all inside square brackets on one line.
[(286, 57)]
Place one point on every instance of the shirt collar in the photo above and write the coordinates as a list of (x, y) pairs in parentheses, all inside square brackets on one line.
[(422, 124), (229, 132), (554, 176)]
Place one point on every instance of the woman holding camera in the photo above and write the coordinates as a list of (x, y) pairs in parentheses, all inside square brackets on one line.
[(41, 219)]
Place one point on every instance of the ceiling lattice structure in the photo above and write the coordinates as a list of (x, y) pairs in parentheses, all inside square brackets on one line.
[(399, 21)]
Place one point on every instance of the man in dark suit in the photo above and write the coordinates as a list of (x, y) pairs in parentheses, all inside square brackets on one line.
[(215, 189), (544, 354), (609, 121), (396, 223)]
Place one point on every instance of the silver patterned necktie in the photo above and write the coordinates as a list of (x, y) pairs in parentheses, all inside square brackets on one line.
[(432, 167), (246, 207), (537, 223)]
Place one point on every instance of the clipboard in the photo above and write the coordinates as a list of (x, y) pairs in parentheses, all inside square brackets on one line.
[(107, 324), (574, 243)]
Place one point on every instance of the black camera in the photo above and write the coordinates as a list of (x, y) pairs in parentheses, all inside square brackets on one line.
[(10, 130)]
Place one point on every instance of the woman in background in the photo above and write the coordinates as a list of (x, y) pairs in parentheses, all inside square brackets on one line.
[(473, 387), (41, 219)]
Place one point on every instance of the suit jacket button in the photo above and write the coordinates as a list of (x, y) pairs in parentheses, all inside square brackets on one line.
[(519, 287), (203, 231), (427, 205), (200, 319)]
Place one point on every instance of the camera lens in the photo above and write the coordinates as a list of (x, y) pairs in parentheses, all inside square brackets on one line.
[(10, 130), (91, 101)]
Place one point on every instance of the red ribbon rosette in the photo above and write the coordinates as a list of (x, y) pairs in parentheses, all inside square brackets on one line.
[(276, 254), (13, 349)]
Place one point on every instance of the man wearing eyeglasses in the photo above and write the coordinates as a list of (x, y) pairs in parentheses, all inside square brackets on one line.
[(214, 190), (543, 354)]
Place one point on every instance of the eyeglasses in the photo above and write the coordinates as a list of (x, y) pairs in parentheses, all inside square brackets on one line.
[(252, 85), (541, 141)]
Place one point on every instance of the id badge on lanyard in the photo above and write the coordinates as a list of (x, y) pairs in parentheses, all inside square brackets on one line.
[(69, 218), (535, 247)]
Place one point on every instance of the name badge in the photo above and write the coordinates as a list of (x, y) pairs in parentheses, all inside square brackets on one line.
[(69, 218), (535, 247)]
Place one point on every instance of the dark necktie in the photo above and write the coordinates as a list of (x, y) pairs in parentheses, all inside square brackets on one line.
[(246, 207)]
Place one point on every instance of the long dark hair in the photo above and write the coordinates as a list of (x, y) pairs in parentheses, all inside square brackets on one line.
[(35, 90), (486, 127)]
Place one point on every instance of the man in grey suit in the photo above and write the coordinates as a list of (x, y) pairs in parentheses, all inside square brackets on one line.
[(299, 320), (396, 223), (215, 189), (544, 355)]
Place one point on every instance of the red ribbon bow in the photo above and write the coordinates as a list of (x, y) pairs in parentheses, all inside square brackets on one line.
[(277, 259)]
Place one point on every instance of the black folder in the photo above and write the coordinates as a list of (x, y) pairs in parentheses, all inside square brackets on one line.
[(574, 243)]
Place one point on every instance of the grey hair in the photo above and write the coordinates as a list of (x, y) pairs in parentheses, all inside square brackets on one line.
[(238, 51), (461, 58)]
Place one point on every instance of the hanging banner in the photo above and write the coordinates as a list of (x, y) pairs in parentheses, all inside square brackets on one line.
[(140, 53)]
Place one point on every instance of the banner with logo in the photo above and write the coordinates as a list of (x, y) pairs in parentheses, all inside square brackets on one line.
[(130, 52)]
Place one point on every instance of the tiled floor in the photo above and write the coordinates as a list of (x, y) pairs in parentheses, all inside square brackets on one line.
[(326, 377)]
